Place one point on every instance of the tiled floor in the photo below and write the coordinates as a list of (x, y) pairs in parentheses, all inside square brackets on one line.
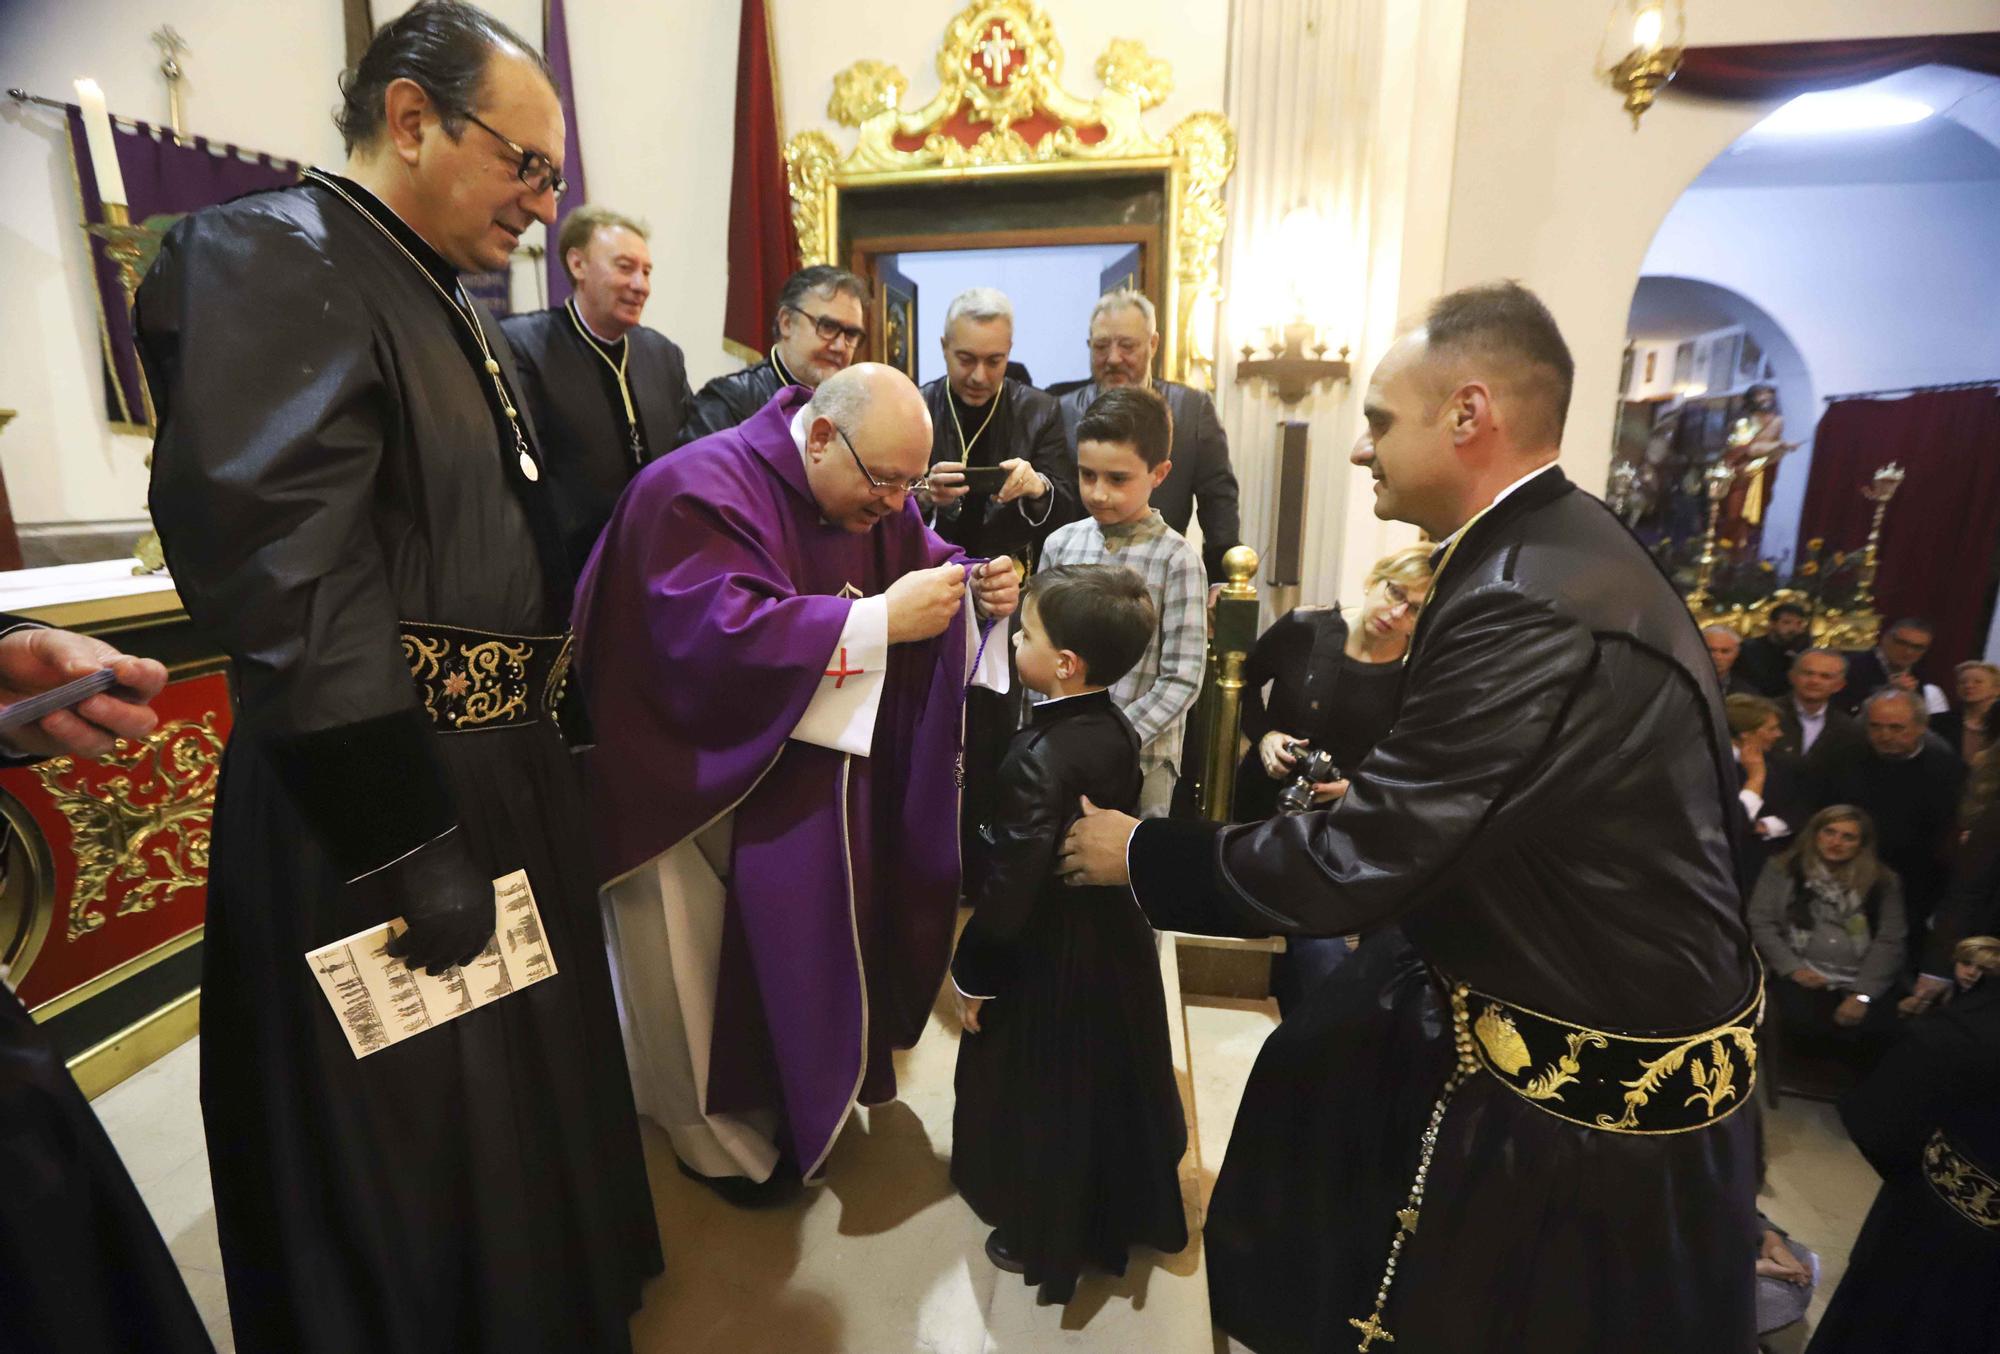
[(885, 1258)]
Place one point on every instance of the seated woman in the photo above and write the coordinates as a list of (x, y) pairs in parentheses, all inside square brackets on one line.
[(1827, 917), (1334, 688)]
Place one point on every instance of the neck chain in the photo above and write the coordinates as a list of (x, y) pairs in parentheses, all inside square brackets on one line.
[(591, 341), (992, 408), (1410, 649), (784, 372), (529, 469)]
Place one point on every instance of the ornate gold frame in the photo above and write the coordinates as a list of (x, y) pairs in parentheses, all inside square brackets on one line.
[(1000, 64)]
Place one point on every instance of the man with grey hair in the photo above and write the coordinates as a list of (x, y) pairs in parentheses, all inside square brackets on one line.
[(1909, 782), (1724, 644), (606, 393), (818, 330), (1003, 431), (782, 648), (1124, 340)]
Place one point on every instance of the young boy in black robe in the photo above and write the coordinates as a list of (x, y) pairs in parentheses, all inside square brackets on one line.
[(1068, 1131)]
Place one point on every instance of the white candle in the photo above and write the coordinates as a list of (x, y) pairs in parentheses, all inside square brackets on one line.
[(103, 150)]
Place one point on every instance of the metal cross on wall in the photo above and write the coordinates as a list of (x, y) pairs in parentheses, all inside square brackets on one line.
[(172, 48)]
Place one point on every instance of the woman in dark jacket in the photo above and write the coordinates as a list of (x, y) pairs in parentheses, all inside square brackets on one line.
[(1336, 689)]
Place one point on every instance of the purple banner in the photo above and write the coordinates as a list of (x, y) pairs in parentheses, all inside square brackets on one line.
[(555, 46), (165, 180)]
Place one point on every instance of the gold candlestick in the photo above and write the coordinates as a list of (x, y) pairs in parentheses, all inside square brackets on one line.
[(1878, 491), (1716, 481)]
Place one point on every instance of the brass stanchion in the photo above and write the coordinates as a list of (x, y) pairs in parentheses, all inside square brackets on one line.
[(1234, 632)]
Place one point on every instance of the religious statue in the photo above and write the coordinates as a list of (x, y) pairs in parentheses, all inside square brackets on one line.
[(1756, 445)]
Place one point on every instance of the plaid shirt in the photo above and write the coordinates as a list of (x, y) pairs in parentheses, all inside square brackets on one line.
[(1158, 692)]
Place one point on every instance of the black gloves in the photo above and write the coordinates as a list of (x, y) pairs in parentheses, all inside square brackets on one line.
[(445, 898)]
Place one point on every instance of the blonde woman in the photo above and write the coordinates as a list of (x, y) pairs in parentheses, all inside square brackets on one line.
[(1828, 919), (1969, 728), (1334, 686)]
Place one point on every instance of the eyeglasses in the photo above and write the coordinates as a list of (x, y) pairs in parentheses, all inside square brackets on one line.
[(1398, 595), (536, 169), (880, 486), (831, 330)]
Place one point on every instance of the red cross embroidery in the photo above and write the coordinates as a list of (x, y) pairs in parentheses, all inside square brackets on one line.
[(841, 673)]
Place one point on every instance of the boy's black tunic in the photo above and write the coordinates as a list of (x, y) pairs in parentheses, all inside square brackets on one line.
[(1068, 1132), (1550, 822), (333, 468)]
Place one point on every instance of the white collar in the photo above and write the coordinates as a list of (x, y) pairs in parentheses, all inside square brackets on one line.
[(577, 311), (1446, 542)]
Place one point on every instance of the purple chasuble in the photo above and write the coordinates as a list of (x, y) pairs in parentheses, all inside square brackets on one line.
[(704, 623)]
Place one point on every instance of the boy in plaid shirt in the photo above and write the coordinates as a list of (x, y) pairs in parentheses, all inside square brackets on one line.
[(1122, 443)]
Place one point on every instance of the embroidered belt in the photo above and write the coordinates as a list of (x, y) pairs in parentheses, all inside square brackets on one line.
[(1620, 1083), (1972, 1192), (475, 679), (1600, 1079)]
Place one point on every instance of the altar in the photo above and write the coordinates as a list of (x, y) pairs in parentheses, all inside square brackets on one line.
[(104, 865)]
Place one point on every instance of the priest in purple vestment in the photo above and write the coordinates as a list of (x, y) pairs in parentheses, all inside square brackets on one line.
[(776, 651)]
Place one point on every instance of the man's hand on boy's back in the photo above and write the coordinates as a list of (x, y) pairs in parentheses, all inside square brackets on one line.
[(1094, 850)]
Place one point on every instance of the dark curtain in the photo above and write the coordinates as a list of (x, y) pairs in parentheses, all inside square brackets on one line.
[(763, 246), (1940, 537), (555, 46), (1781, 69)]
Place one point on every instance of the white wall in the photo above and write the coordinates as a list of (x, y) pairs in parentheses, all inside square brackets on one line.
[(1551, 185), (250, 65), (1052, 290)]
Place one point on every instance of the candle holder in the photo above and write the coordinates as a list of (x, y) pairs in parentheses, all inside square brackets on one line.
[(1289, 369), (1716, 481), (1879, 490)]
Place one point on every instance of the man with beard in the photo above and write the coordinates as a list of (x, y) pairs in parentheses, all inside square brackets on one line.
[(982, 417), (1766, 660), (818, 330), (1124, 340), (355, 508), (607, 394), (1550, 822)]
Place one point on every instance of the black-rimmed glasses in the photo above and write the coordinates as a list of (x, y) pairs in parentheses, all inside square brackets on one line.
[(536, 169), (830, 329), (879, 486)]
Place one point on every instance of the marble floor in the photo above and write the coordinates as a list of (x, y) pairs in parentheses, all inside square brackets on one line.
[(885, 1258)]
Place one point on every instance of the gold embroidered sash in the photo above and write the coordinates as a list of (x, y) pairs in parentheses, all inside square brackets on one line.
[(475, 679), (1972, 1192)]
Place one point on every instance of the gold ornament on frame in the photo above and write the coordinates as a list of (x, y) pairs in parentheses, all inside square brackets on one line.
[(999, 70)]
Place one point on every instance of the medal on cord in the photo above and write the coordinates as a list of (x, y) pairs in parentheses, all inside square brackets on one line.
[(592, 342), (523, 458)]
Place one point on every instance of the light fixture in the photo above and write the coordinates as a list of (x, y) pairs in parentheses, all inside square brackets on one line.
[(1301, 285), (1648, 37), (1842, 110)]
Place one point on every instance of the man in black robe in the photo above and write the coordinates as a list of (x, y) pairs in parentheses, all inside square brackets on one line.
[(1124, 339), (1766, 660), (1526, 1137), (83, 1270), (982, 417), (607, 394), (817, 331), (355, 509)]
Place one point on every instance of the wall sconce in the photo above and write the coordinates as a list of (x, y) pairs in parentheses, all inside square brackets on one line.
[(1288, 369), (1652, 34), (1298, 362)]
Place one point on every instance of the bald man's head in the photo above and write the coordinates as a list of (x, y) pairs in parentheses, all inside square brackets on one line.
[(868, 439)]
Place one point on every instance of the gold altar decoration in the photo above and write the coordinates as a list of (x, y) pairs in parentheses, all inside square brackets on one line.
[(1000, 65), (1850, 628), (147, 828)]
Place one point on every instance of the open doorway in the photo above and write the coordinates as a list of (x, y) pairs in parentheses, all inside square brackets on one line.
[(1832, 271)]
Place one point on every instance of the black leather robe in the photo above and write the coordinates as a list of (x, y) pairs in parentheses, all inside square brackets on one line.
[(1551, 821), (1068, 1131), (729, 399), (332, 461), (1201, 475), (1028, 425), (580, 420)]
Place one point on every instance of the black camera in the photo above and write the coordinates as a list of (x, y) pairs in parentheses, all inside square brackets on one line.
[(1314, 767)]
